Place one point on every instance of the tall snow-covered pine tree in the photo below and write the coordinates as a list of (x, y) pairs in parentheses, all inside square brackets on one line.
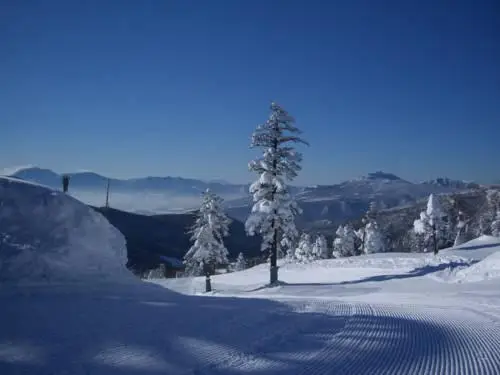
[(273, 213), (207, 234)]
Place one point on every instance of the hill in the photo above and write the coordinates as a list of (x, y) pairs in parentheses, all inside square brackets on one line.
[(149, 236)]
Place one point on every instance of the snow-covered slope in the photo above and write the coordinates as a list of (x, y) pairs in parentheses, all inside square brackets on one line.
[(376, 314), (395, 272), (486, 250), (48, 236)]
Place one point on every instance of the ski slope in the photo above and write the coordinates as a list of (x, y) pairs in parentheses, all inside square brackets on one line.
[(376, 314)]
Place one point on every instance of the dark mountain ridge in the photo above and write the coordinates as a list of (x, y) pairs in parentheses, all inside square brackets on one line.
[(149, 236)]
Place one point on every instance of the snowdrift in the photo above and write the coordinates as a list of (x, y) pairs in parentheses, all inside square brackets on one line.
[(487, 269), (48, 236), (477, 249)]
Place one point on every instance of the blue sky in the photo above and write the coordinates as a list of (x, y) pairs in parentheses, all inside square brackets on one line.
[(135, 88)]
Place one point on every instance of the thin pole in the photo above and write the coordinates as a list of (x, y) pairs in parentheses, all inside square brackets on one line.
[(107, 195)]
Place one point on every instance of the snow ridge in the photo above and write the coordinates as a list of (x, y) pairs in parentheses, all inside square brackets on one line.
[(48, 236)]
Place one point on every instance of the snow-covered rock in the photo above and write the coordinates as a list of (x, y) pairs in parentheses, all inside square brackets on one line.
[(48, 236)]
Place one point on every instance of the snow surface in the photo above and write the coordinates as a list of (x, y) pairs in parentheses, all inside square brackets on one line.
[(48, 236), (372, 314)]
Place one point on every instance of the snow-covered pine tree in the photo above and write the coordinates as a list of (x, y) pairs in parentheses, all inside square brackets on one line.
[(273, 213), (460, 237), (374, 241), (241, 263), (495, 225), (320, 247), (488, 211), (345, 243), (290, 255), (337, 245), (207, 234), (304, 251), (430, 224), (370, 224)]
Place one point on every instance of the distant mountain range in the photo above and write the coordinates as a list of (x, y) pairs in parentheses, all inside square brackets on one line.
[(95, 182), (333, 204), (330, 204)]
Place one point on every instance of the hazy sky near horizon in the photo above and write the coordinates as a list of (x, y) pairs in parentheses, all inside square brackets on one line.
[(133, 88)]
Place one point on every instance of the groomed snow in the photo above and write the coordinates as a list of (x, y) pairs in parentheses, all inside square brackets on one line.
[(381, 314), (48, 236)]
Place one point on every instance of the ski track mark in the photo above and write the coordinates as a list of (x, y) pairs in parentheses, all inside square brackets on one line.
[(371, 339)]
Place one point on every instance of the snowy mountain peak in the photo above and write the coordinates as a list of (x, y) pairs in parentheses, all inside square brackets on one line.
[(9, 171), (380, 175)]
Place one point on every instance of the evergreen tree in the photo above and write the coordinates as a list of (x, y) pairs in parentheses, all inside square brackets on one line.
[(304, 251), (344, 244), (374, 242), (495, 225), (207, 234), (290, 254), (320, 248), (460, 237), (430, 224), (370, 217), (488, 213), (241, 263), (273, 213)]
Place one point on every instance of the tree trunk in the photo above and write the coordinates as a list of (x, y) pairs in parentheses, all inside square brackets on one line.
[(274, 246), (434, 239), (208, 284), (458, 238), (65, 183), (363, 241), (274, 258)]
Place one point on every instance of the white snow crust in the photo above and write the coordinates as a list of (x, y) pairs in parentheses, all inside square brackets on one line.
[(48, 236)]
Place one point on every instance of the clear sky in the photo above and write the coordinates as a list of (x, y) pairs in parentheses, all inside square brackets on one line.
[(134, 88)]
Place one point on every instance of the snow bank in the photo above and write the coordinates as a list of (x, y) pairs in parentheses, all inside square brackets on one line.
[(488, 268), (48, 236), (477, 249)]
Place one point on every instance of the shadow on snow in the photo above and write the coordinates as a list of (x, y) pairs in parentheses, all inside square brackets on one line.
[(417, 272), (478, 247), (147, 329)]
